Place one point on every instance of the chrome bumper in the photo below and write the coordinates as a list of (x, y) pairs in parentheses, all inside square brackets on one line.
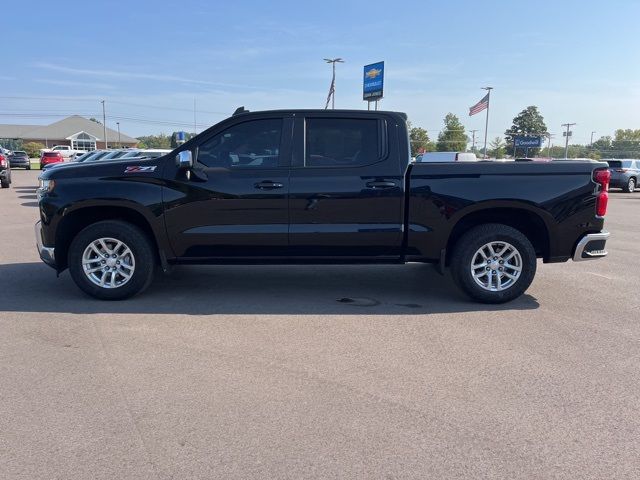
[(47, 254), (591, 246)]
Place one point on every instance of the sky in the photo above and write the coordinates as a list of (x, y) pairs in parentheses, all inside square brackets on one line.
[(579, 62)]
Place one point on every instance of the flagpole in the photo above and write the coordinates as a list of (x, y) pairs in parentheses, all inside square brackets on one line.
[(486, 124)]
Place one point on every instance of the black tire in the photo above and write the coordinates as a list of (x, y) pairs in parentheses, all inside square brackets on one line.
[(5, 183), (630, 187), (465, 251), (28, 168), (138, 243)]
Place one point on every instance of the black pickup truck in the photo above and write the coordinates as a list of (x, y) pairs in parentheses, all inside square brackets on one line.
[(318, 186)]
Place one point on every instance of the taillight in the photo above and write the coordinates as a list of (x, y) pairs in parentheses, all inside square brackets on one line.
[(602, 177), (3, 162)]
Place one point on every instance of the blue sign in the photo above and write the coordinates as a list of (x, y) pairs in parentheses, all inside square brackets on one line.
[(527, 141), (373, 82), (180, 136)]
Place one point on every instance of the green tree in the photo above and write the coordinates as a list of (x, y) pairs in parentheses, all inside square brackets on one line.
[(155, 141), (11, 143), (420, 141), (497, 148), (453, 137), (33, 149), (601, 148), (528, 122), (626, 143)]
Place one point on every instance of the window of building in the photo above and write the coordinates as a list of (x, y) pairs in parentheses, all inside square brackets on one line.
[(341, 142), (83, 141), (253, 144)]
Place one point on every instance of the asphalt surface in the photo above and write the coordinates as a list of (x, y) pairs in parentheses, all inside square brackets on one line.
[(260, 372)]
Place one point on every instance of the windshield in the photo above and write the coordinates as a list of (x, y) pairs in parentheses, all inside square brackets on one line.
[(98, 156)]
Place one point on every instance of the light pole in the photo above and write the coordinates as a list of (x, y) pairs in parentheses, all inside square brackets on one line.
[(332, 88), (567, 134), (549, 136), (104, 124), (591, 144), (473, 141), (119, 143)]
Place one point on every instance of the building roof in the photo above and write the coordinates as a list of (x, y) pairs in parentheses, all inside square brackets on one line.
[(63, 129)]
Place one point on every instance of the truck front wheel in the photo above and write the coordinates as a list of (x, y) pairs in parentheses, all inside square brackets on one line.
[(493, 263), (111, 260)]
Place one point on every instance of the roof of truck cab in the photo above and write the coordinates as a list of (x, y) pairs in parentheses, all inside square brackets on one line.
[(323, 111)]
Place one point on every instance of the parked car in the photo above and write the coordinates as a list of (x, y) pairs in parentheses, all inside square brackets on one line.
[(624, 174), (447, 157), (338, 189), (48, 158), (145, 153), (5, 171), (19, 159), (65, 150), (81, 155)]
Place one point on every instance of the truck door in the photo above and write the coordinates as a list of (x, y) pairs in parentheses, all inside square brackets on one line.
[(233, 203), (346, 188)]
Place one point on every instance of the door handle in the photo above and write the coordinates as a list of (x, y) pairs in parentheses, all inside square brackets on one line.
[(380, 185), (268, 185)]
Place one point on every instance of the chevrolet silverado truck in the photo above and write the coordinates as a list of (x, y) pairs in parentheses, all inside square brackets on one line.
[(318, 187)]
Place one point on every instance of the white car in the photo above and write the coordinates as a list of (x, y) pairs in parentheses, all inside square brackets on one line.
[(65, 150), (447, 157)]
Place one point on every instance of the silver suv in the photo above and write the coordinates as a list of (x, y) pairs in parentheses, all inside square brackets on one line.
[(624, 174)]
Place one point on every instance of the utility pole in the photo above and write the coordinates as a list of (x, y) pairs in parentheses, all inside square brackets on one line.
[(119, 142), (567, 134), (473, 141), (591, 143), (104, 124), (549, 135), (332, 88), (486, 124), (195, 128)]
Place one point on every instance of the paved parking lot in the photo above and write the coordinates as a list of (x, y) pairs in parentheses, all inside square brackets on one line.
[(259, 372)]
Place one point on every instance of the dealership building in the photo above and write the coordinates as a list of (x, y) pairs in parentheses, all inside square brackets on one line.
[(78, 132)]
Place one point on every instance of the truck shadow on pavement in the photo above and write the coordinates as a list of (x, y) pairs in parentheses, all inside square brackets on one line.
[(414, 289)]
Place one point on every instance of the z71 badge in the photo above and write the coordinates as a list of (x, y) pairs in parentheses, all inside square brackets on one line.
[(140, 169)]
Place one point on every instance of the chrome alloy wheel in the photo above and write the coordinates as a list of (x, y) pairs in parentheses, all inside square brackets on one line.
[(496, 266), (108, 262)]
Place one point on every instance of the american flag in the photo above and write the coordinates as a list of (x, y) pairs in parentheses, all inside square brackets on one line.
[(480, 106)]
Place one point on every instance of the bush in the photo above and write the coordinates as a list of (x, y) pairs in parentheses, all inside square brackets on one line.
[(33, 149)]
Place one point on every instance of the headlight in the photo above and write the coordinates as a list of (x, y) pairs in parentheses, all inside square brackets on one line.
[(47, 185)]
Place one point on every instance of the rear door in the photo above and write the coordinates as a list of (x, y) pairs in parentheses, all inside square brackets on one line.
[(346, 187)]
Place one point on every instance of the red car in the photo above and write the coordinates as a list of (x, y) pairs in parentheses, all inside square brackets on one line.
[(48, 158)]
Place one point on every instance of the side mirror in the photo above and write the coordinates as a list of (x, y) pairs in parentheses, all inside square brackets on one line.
[(184, 159)]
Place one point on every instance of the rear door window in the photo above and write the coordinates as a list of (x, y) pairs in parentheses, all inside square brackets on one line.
[(342, 142)]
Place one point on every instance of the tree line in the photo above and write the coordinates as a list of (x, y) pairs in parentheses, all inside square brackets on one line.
[(625, 143)]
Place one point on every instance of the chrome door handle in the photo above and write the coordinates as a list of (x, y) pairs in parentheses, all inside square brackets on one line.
[(268, 185), (380, 185)]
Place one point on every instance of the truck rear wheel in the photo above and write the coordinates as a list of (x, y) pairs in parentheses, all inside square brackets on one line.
[(493, 263), (111, 260)]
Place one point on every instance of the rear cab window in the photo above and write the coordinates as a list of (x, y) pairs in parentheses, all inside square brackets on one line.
[(342, 142)]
